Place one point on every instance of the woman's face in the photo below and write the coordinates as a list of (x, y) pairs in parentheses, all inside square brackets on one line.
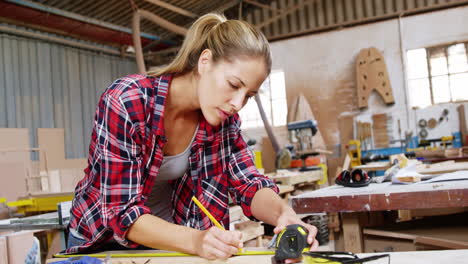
[(225, 86)]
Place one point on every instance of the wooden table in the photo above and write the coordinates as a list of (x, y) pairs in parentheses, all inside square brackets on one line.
[(413, 257), (379, 197)]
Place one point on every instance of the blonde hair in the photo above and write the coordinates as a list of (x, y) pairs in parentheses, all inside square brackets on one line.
[(226, 39)]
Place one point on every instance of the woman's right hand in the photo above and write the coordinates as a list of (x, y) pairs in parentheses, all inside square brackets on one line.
[(215, 243)]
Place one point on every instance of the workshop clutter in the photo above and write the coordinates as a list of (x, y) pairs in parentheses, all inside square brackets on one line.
[(31, 171)]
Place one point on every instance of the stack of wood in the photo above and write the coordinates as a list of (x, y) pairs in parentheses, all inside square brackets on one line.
[(252, 232), (291, 181)]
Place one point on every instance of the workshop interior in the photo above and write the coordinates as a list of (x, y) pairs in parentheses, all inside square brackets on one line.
[(361, 123)]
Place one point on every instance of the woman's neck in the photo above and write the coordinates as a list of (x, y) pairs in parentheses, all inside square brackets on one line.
[(182, 96)]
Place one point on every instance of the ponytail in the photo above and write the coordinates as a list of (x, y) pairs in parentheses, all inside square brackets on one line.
[(226, 39)]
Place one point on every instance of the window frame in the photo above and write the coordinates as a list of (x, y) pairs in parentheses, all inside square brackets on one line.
[(430, 76)]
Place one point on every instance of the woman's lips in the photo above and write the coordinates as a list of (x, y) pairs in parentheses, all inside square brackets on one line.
[(223, 114)]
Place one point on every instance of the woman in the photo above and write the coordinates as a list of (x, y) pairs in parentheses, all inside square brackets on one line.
[(161, 138)]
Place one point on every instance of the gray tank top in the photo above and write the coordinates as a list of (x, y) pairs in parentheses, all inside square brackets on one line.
[(172, 167)]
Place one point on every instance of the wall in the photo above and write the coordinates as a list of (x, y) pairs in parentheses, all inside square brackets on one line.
[(46, 85), (322, 67)]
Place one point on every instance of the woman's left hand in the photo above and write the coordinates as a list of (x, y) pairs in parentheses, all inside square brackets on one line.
[(290, 218)]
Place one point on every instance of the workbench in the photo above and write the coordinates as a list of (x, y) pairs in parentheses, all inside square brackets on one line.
[(379, 197), (413, 257)]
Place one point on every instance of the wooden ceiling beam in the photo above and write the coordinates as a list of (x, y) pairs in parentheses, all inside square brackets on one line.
[(173, 8), (219, 9), (137, 16), (162, 22), (282, 14), (255, 3)]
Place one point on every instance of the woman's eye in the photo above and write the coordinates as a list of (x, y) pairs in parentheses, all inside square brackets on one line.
[(233, 85)]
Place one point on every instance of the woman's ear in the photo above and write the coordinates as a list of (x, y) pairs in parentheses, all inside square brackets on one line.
[(205, 61)]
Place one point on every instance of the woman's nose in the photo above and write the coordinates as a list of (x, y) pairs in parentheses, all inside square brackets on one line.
[(238, 101)]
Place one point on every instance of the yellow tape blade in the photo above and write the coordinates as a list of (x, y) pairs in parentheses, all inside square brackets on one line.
[(160, 254)]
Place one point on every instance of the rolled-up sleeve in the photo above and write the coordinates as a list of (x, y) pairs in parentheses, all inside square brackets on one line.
[(119, 131), (245, 180)]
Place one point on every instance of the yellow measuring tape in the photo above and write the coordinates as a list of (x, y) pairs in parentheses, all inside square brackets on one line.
[(160, 254)]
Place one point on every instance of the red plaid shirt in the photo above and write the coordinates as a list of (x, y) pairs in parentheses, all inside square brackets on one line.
[(125, 154)]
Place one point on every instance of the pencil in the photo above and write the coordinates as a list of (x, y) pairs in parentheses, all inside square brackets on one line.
[(210, 216)]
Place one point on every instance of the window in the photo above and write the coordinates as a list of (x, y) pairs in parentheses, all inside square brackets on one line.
[(272, 93), (438, 74)]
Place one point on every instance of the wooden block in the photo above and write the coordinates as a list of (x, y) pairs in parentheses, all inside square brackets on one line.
[(19, 244), (14, 138), (352, 233), (79, 164), (55, 245), (13, 177), (246, 224), (3, 250), (285, 188), (52, 141), (235, 213), (252, 231), (69, 179), (414, 178)]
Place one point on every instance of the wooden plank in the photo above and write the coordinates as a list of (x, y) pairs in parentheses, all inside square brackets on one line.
[(374, 166), (455, 196), (52, 141), (439, 242), (443, 168), (3, 250), (235, 213), (462, 122), (352, 233), (15, 138), (408, 215), (379, 128), (19, 244), (13, 175), (346, 129), (383, 233), (173, 8)]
